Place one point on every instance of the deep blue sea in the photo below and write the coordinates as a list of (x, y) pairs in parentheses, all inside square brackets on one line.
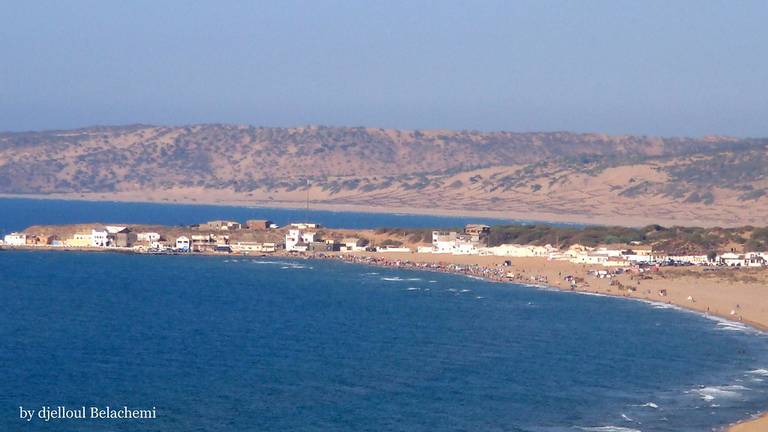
[(257, 344), (17, 214)]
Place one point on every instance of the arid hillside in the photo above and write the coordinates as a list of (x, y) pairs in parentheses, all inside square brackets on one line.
[(629, 180)]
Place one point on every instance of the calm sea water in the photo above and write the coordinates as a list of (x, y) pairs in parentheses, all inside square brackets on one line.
[(223, 344), (17, 214)]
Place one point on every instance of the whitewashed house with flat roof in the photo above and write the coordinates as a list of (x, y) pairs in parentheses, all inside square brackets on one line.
[(353, 244), (15, 239), (298, 241), (79, 240), (754, 259), (305, 225), (463, 245), (732, 259), (518, 250), (99, 237), (443, 241), (182, 243), (246, 247), (148, 236), (292, 239)]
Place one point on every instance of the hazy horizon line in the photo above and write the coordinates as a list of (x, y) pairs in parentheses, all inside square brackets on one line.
[(328, 126)]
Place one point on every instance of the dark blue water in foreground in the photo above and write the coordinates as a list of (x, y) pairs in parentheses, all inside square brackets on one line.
[(223, 344), (17, 214)]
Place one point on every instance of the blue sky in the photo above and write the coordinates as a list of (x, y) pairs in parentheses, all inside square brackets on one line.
[(653, 67)]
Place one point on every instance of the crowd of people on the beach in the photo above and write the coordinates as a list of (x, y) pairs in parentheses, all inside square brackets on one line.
[(497, 273)]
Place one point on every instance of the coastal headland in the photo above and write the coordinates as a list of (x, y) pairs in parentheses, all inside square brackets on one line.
[(715, 272)]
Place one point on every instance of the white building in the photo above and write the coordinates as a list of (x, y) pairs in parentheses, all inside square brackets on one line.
[(690, 259), (247, 247), (292, 239), (599, 257), (15, 239), (297, 241), (456, 243), (732, 259), (182, 243), (80, 240), (156, 245), (518, 250), (754, 259), (639, 258), (148, 236), (463, 247), (443, 241), (354, 244), (99, 237), (305, 225), (614, 253)]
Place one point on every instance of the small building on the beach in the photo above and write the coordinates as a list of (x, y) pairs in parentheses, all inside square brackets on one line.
[(470, 242), (298, 241), (147, 237), (15, 239), (100, 237), (207, 242), (159, 246), (38, 240), (125, 238), (258, 224), (247, 247), (478, 233), (323, 246), (182, 243), (269, 247), (79, 240), (465, 244), (353, 244), (443, 241), (219, 225), (292, 239), (755, 259), (604, 258), (687, 259), (518, 250), (477, 229), (732, 259), (305, 225)]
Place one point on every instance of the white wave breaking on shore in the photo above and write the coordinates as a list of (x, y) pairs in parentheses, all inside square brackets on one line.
[(714, 392)]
